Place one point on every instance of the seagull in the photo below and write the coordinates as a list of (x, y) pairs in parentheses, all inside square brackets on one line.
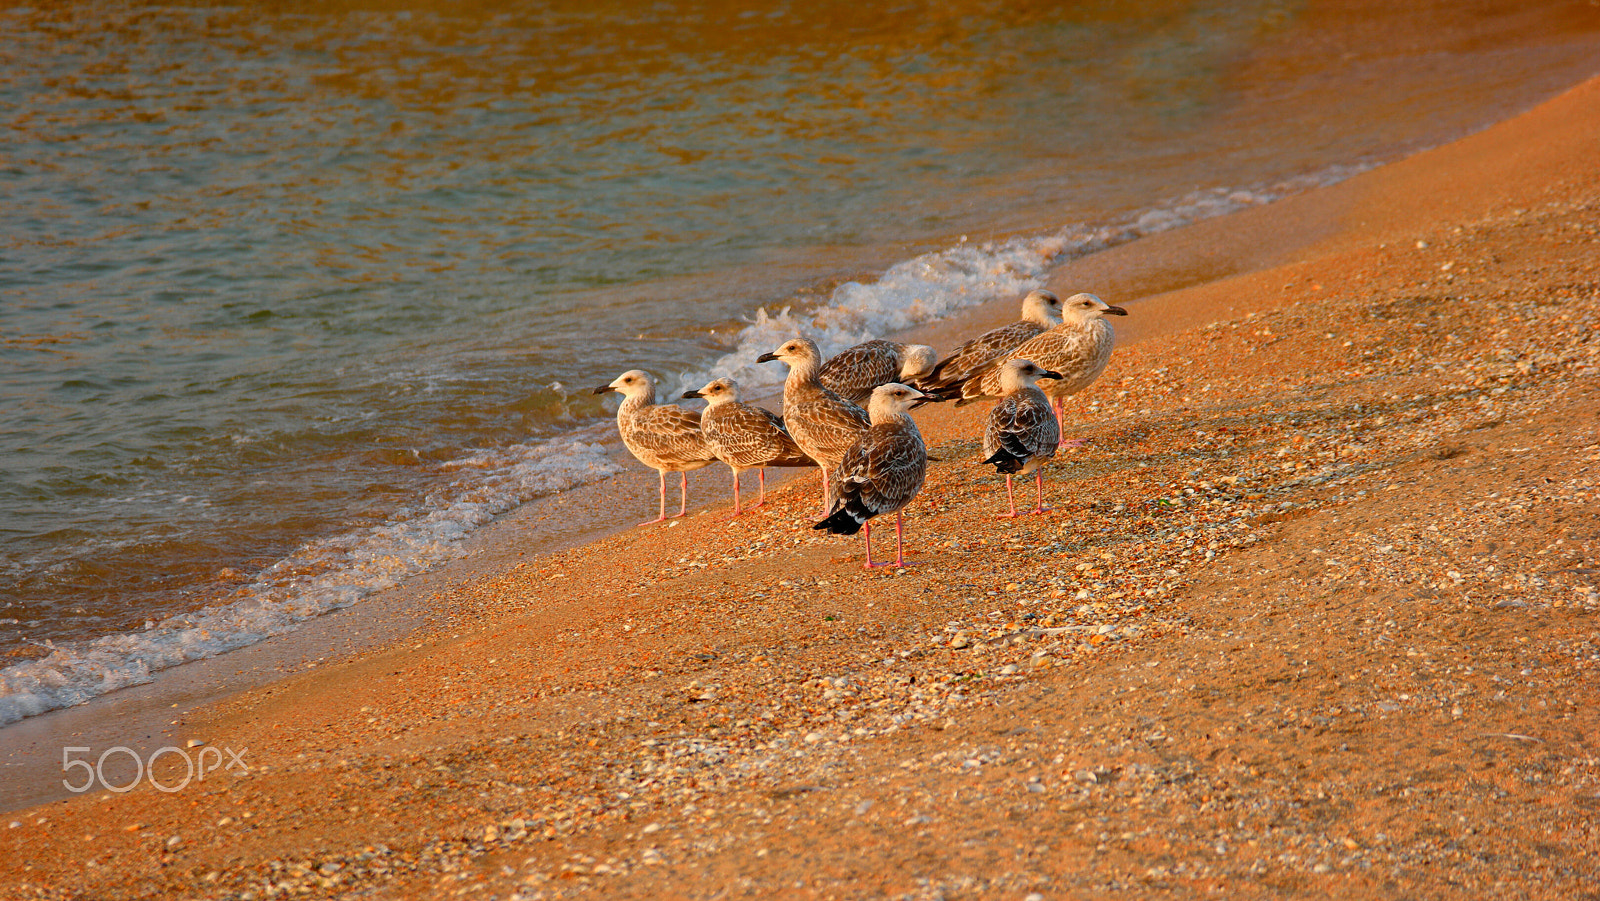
[(1040, 313), (855, 372), (822, 423), (664, 437), (1078, 349), (745, 436), (882, 471), (1022, 433)]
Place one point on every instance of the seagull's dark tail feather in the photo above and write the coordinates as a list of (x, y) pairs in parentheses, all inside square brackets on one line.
[(1006, 461), (938, 395), (846, 519)]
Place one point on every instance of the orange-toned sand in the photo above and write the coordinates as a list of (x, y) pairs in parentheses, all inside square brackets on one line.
[(1315, 615)]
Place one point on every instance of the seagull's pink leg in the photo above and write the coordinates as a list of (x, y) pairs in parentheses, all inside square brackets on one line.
[(900, 560), (662, 474), (1038, 490), (683, 498), (1010, 499), (825, 510), (866, 532), (737, 510), (1061, 428), (761, 479)]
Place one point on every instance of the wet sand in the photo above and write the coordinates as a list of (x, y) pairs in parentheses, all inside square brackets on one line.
[(1314, 614)]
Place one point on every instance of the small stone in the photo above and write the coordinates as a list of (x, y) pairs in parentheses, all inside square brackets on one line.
[(814, 737), (962, 640), (194, 743), (1010, 669)]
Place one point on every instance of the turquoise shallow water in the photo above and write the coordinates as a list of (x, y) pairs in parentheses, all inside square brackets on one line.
[(292, 296)]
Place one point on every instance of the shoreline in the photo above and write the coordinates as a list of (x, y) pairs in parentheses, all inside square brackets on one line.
[(157, 711), (646, 628)]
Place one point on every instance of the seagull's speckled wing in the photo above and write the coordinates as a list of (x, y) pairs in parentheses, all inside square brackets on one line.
[(1079, 351), (988, 347), (884, 470), (855, 372), (1023, 426)]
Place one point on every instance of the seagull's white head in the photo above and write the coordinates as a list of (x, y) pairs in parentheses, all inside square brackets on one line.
[(631, 384), (1082, 308), (717, 392), (893, 399), (917, 361), (1017, 374), (1042, 307), (795, 352)]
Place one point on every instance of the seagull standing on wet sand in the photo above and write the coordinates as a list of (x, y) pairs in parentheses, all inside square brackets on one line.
[(1041, 311), (1078, 349), (822, 423), (853, 373), (745, 436), (664, 437), (1022, 433), (883, 471)]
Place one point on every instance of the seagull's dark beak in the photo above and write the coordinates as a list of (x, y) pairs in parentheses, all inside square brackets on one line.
[(1115, 311), (693, 394), (923, 399), (1049, 375), (603, 389), (766, 358)]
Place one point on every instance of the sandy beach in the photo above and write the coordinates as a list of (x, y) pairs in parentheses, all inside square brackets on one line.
[(1315, 615)]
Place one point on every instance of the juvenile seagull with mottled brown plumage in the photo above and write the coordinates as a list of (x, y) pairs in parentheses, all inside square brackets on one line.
[(745, 436), (1022, 433), (664, 437), (1078, 349), (882, 471), (822, 423), (1041, 311), (853, 373)]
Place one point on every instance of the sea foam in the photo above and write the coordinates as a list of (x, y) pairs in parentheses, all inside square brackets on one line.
[(325, 575), (938, 284)]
